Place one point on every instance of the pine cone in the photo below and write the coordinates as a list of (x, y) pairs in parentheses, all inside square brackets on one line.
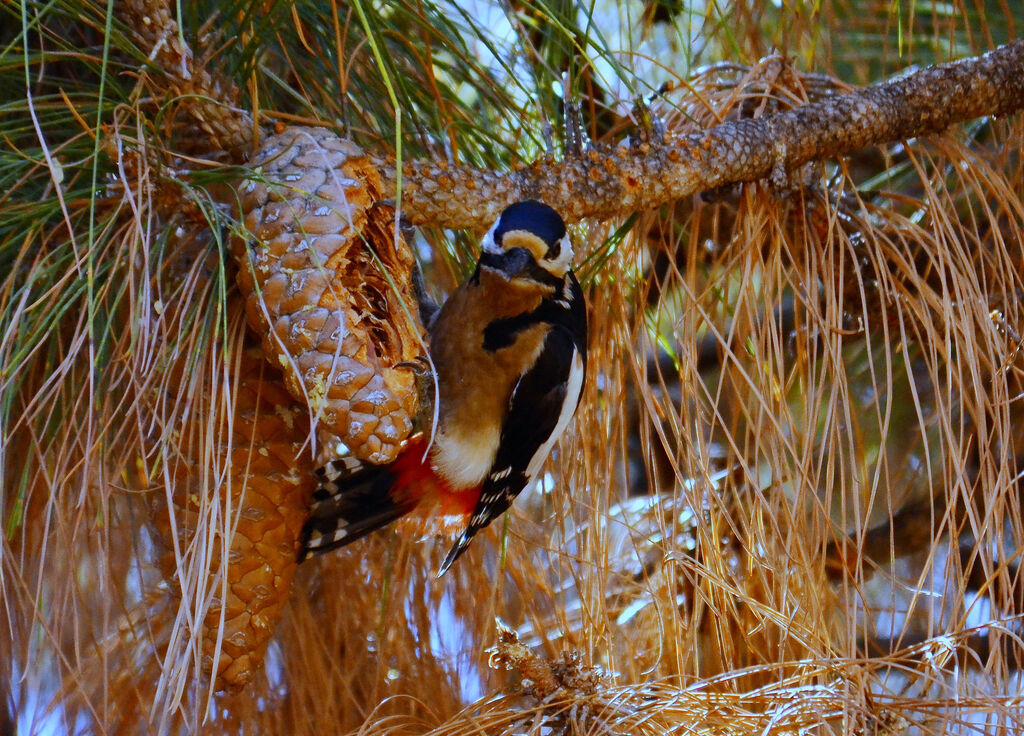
[(207, 118), (328, 286), (268, 483)]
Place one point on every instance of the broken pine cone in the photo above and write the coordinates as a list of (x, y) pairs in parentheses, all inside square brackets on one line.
[(541, 677), (329, 287)]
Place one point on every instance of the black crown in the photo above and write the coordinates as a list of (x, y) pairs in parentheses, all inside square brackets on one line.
[(534, 217)]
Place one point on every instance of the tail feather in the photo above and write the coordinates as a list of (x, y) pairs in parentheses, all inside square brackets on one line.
[(461, 545), (353, 500)]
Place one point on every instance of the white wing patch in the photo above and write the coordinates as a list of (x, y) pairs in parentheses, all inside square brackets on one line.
[(487, 245), (340, 467), (573, 387), (319, 539)]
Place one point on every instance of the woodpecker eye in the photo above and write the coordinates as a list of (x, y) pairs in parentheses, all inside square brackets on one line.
[(489, 244), (554, 251)]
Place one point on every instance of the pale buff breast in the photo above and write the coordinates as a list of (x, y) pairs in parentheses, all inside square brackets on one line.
[(476, 384)]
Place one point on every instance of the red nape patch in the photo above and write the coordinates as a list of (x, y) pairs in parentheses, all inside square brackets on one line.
[(439, 508)]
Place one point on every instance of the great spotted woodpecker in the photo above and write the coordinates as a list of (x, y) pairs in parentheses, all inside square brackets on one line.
[(509, 348)]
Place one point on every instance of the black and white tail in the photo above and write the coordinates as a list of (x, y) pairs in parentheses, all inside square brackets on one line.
[(352, 500)]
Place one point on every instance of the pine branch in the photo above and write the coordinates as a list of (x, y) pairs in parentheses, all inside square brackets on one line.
[(610, 180), (614, 180)]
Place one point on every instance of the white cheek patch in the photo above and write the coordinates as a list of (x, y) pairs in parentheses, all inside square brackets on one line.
[(488, 245), (559, 266)]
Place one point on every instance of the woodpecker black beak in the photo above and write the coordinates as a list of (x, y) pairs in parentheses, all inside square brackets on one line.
[(510, 264)]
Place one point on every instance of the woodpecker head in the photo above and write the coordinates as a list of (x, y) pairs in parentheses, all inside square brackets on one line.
[(528, 243)]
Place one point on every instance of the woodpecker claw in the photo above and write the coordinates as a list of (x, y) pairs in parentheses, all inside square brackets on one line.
[(420, 365)]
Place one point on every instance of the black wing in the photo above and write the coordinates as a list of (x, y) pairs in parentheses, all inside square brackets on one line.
[(551, 386), (352, 500)]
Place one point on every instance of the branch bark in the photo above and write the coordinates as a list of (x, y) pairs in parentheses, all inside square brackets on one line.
[(613, 180)]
